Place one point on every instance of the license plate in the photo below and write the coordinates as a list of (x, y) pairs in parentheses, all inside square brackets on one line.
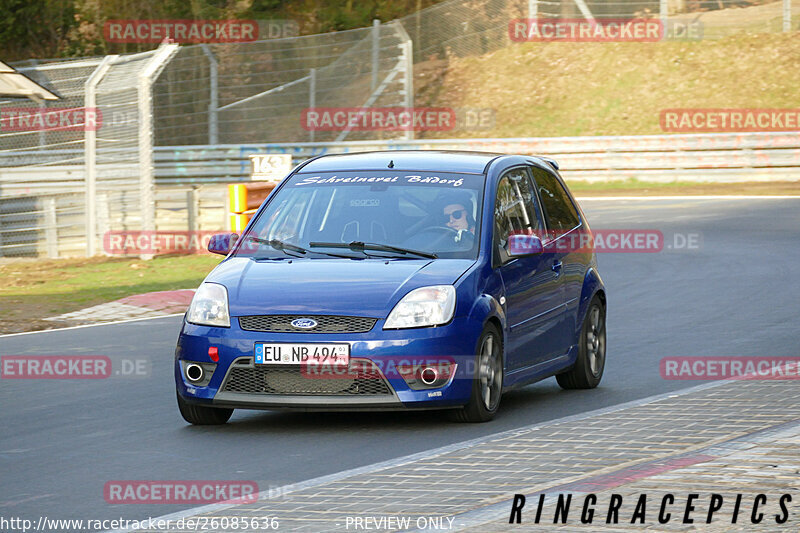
[(280, 353)]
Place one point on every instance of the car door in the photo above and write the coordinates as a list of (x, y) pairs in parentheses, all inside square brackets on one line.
[(563, 229), (534, 302)]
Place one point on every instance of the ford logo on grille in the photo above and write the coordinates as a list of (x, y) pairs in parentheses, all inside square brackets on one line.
[(304, 323)]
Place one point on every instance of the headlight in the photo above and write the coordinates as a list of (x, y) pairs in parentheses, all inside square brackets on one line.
[(209, 306), (426, 306)]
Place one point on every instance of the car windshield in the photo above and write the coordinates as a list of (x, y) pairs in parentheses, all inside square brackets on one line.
[(370, 214)]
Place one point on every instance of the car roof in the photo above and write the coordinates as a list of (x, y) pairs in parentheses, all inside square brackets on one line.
[(403, 160)]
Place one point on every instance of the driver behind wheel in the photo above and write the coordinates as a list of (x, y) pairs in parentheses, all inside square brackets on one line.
[(458, 218), (457, 214)]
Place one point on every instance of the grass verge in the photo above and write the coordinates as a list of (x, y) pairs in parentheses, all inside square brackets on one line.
[(34, 289)]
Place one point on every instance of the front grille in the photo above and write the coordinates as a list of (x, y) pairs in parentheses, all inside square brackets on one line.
[(362, 379), (325, 323)]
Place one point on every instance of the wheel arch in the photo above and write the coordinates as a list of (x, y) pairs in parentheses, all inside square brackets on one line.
[(487, 310), (592, 285)]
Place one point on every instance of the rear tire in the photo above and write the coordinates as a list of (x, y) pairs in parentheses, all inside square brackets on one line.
[(588, 369), (201, 415), (487, 384)]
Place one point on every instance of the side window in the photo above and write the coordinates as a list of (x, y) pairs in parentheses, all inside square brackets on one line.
[(513, 210), (559, 212)]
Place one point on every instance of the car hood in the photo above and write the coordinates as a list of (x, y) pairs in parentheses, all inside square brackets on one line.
[(368, 287)]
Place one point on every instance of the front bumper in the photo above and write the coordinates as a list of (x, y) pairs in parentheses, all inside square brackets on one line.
[(386, 349)]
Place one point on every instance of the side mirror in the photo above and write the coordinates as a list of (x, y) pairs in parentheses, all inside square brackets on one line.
[(222, 243), (524, 245)]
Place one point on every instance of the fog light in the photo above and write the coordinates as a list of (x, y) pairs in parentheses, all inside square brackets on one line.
[(194, 372), (427, 375), (197, 373)]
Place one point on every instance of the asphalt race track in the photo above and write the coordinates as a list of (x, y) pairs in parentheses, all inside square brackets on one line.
[(62, 440)]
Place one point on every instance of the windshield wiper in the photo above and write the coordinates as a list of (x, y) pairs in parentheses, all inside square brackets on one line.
[(284, 246), (359, 246)]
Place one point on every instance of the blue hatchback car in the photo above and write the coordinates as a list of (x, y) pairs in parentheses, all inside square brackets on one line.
[(397, 280)]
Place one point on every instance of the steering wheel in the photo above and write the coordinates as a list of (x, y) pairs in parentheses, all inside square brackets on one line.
[(443, 232), (462, 239)]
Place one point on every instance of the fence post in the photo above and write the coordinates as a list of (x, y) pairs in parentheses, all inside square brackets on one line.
[(147, 77), (90, 154), (103, 219), (787, 15), (213, 97), (376, 43), (584, 9), (43, 131), (42, 108), (408, 79), (193, 210), (312, 97), (50, 227), (663, 8), (417, 24), (533, 9), (407, 63)]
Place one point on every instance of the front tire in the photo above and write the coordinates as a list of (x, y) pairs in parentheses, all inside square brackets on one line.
[(487, 384), (588, 369), (201, 415)]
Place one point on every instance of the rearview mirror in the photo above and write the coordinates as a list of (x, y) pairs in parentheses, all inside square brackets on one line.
[(222, 243), (524, 245)]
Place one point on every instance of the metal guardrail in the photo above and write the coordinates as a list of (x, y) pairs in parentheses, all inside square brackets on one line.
[(730, 157), (658, 158), (51, 224)]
